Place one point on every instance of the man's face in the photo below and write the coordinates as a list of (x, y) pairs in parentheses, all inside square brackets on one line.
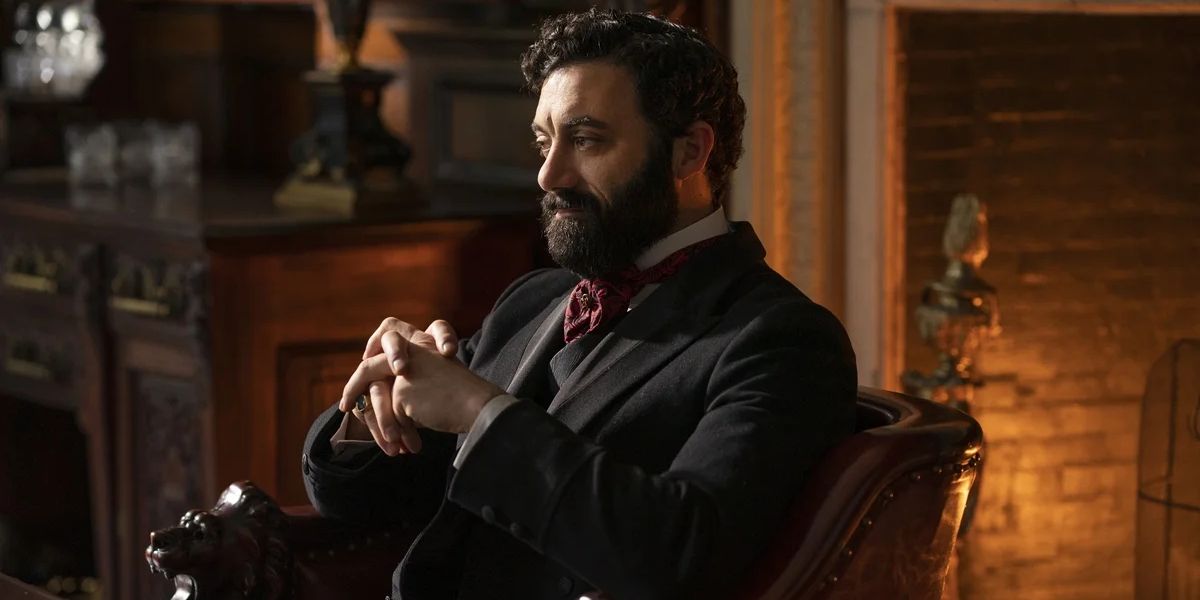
[(609, 187)]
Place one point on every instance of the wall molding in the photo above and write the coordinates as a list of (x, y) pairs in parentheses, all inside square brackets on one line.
[(789, 56)]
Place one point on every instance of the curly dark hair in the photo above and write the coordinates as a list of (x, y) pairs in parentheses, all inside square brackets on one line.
[(680, 76)]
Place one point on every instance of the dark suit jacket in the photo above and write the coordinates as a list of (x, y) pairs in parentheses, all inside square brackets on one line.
[(658, 470)]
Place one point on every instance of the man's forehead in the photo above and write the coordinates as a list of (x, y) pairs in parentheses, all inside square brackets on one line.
[(593, 93)]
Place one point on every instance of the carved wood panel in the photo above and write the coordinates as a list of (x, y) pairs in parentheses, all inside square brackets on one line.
[(169, 456)]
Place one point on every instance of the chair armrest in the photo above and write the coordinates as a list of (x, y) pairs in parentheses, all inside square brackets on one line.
[(246, 546), (335, 559)]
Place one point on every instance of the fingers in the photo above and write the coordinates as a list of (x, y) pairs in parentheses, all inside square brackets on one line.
[(388, 324), (408, 427), (395, 348), (444, 336), (371, 369), (394, 432), (379, 395), (410, 438)]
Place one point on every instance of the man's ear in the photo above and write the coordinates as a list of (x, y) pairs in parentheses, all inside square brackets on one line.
[(689, 154)]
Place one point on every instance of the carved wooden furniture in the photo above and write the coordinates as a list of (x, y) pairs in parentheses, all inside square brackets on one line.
[(877, 519), (197, 335)]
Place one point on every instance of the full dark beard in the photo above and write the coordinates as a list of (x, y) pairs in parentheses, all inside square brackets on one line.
[(601, 240)]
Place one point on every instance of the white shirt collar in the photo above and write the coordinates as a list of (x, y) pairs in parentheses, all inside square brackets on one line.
[(711, 226)]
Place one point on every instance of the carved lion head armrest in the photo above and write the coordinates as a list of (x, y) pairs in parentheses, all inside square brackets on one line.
[(247, 547)]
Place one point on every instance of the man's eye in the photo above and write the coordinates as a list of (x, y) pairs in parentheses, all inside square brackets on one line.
[(541, 146), (583, 143)]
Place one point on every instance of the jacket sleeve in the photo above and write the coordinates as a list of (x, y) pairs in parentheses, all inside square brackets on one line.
[(374, 487), (779, 395)]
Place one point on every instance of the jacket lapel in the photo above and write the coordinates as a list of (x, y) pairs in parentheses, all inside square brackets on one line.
[(646, 338), (533, 341), (538, 346), (504, 367)]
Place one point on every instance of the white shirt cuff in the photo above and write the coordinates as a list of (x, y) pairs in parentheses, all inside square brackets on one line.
[(490, 411), (343, 448)]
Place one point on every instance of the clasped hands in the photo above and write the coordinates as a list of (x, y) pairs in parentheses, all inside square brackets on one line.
[(413, 379)]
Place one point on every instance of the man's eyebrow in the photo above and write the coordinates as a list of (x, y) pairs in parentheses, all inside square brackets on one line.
[(583, 121)]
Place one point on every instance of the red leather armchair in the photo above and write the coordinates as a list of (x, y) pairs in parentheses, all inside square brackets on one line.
[(879, 515), (878, 518)]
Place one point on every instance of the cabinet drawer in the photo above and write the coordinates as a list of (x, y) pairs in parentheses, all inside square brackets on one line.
[(153, 287), (42, 361), (31, 264)]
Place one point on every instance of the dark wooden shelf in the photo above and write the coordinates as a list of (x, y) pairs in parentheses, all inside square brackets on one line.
[(231, 205)]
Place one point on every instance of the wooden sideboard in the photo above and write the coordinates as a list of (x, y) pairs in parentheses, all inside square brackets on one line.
[(197, 334)]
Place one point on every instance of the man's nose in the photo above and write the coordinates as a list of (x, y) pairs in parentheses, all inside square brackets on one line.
[(558, 170)]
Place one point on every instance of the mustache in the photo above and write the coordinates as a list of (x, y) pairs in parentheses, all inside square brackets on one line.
[(569, 199)]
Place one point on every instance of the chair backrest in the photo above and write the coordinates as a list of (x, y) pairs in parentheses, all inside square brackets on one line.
[(879, 514)]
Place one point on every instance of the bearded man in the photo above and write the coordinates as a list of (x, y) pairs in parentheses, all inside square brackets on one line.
[(636, 422)]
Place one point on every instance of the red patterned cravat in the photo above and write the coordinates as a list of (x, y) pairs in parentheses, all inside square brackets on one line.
[(596, 301)]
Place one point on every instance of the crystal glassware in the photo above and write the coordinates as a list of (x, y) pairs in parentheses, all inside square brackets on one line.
[(92, 152), (135, 150), (175, 154), (55, 48)]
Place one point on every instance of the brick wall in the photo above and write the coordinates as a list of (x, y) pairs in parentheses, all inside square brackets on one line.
[(1082, 133)]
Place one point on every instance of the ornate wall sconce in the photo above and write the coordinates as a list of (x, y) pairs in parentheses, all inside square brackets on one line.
[(957, 312)]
